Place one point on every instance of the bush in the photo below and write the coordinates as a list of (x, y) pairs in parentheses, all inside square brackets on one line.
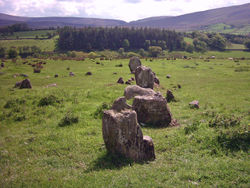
[(154, 51), (12, 53), (224, 121), (49, 100), (247, 44), (99, 111), (191, 128), (68, 120), (2, 52), (190, 48)]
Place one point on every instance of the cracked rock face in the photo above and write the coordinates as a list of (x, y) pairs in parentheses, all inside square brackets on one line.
[(144, 77), (134, 63), (152, 110), (122, 134)]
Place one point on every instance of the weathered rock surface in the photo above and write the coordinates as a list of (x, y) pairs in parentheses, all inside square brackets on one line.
[(134, 90), (144, 77), (152, 110), (134, 63), (120, 81), (23, 84), (156, 80), (120, 104), (122, 135), (194, 104), (170, 96)]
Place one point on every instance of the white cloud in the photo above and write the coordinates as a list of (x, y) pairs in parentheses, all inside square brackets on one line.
[(127, 10)]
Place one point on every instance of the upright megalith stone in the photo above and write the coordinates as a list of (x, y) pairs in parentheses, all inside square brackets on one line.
[(134, 90), (152, 110), (144, 77), (122, 134), (134, 63)]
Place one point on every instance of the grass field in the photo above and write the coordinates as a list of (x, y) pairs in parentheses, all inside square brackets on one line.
[(29, 34), (209, 149), (44, 45)]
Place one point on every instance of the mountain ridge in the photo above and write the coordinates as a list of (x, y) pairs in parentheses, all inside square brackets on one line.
[(237, 16)]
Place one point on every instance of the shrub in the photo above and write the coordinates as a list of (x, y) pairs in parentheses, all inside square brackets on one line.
[(224, 121), (12, 53), (99, 111), (2, 52), (191, 128), (48, 100), (14, 102), (154, 51), (68, 120)]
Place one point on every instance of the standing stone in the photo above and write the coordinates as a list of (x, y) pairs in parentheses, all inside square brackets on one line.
[(134, 63), (122, 134), (144, 77), (134, 90), (152, 110)]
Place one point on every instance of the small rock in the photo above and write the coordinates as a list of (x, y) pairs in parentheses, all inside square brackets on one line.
[(114, 72), (24, 75), (2, 64), (51, 85), (23, 84), (98, 63), (168, 76), (56, 75), (179, 86), (37, 70), (170, 96), (120, 81), (120, 65), (194, 104), (71, 74), (156, 80), (68, 68), (128, 82), (132, 79), (88, 73)]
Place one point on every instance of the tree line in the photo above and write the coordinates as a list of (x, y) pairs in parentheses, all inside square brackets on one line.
[(92, 38)]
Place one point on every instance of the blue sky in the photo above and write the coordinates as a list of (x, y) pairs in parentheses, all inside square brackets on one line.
[(127, 10)]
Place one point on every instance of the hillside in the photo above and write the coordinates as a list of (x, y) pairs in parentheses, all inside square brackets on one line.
[(234, 15), (234, 19), (45, 22)]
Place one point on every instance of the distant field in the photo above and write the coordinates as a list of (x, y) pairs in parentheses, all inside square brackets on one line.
[(223, 28), (209, 149), (44, 45), (236, 46), (188, 40), (29, 34)]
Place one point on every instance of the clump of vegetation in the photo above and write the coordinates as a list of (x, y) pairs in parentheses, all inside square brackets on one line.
[(68, 120), (49, 100), (192, 128), (99, 111), (224, 121), (12, 53), (14, 102), (242, 69)]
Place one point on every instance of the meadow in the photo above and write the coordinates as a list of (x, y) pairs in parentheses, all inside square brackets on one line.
[(209, 149)]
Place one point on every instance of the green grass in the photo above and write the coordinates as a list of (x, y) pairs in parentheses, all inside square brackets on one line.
[(37, 152), (44, 45), (224, 28), (29, 34), (236, 46)]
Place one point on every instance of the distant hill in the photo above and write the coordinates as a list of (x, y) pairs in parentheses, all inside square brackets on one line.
[(234, 15), (45, 22), (234, 18)]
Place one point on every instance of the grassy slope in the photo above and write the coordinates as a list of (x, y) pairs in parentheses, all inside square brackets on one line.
[(44, 45), (36, 152)]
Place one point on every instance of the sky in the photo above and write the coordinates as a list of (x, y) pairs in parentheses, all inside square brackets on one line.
[(127, 10)]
